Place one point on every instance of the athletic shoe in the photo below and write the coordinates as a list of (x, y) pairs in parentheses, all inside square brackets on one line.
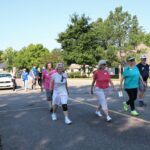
[(54, 117), (125, 106), (108, 118), (98, 113), (134, 113), (68, 121)]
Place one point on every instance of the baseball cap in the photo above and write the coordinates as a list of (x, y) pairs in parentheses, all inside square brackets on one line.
[(102, 62), (143, 56)]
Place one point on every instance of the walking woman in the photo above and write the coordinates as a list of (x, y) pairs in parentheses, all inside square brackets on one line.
[(24, 77), (14, 71), (46, 77), (131, 77), (60, 92), (102, 79)]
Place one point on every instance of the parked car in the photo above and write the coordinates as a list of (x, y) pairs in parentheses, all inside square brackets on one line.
[(5, 80)]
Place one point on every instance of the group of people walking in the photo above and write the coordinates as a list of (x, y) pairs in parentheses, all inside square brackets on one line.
[(133, 81), (31, 78), (54, 81)]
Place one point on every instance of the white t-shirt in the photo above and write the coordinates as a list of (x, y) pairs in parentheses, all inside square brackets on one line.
[(60, 83)]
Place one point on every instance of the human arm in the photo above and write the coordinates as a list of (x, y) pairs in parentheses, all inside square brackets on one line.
[(51, 84), (92, 85), (43, 79), (67, 87), (111, 83), (121, 81), (142, 81)]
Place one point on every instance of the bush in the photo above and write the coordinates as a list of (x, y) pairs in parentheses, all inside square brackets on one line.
[(76, 75)]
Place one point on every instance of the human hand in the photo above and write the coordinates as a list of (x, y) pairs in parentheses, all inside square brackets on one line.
[(144, 83)]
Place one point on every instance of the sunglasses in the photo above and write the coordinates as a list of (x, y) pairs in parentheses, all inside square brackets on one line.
[(104, 64)]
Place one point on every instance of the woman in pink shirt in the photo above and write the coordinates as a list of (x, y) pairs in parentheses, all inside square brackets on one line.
[(102, 79), (46, 77)]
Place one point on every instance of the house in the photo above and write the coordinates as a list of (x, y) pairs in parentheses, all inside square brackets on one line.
[(144, 47), (74, 68)]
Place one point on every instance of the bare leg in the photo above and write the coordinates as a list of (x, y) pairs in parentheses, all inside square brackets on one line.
[(55, 108)]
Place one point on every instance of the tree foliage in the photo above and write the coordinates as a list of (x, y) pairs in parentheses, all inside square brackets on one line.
[(32, 54), (8, 57), (146, 39), (85, 42), (79, 42)]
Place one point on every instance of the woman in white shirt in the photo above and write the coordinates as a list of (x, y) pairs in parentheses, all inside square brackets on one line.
[(60, 92)]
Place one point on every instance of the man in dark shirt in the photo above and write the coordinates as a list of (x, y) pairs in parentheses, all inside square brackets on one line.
[(144, 71)]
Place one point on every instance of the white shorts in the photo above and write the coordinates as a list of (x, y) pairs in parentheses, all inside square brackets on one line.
[(59, 99), (102, 97)]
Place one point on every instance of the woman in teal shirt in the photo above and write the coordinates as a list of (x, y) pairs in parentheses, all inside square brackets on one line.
[(131, 77)]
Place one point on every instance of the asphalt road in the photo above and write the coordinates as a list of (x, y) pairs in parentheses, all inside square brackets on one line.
[(25, 122)]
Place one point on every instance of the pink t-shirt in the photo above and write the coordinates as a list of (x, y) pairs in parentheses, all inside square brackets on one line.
[(46, 76), (102, 78)]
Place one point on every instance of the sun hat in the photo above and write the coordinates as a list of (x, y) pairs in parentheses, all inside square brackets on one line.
[(102, 62), (143, 56)]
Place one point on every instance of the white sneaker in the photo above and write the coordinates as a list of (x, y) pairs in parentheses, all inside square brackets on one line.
[(108, 118), (68, 121), (54, 117), (98, 113)]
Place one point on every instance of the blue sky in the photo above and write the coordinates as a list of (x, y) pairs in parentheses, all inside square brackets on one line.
[(39, 21)]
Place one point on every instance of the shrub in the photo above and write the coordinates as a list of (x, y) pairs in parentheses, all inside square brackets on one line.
[(76, 75)]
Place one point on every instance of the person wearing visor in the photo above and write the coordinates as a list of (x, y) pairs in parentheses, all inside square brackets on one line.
[(131, 77), (144, 71), (60, 92), (102, 79)]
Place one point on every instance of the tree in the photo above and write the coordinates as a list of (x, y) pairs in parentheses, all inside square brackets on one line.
[(1, 53), (79, 43), (8, 57), (85, 42), (32, 54), (146, 39)]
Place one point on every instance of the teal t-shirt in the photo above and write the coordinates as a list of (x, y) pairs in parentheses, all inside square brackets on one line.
[(131, 77)]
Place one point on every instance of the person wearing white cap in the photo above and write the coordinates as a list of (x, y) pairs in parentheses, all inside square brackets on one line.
[(102, 79), (60, 92), (144, 71)]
